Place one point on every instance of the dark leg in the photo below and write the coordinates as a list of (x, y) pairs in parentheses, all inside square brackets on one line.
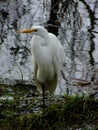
[(43, 89)]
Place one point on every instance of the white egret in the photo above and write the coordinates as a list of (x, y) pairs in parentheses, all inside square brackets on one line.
[(48, 58)]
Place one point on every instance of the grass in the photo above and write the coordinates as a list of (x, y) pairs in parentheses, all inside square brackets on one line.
[(23, 111)]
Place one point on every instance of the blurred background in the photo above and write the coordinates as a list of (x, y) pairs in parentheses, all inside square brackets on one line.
[(74, 22)]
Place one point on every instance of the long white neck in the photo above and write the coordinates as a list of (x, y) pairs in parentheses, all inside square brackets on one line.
[(44, 34), (41, 40)]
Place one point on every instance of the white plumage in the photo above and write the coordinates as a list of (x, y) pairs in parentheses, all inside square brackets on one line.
[(47, 56)]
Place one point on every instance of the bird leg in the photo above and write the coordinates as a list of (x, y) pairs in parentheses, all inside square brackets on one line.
[(43, 94)]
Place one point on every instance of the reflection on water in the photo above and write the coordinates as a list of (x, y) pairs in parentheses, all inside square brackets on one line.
[(77, 32)]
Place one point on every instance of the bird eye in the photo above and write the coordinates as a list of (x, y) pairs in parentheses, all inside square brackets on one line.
[(35, 30)]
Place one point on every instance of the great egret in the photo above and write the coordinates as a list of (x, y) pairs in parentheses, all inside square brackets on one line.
[(48, 57)]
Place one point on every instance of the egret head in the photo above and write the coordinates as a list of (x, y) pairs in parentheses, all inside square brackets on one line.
[(36, 30)]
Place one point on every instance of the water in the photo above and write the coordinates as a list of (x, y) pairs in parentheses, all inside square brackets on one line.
[(78, 34)]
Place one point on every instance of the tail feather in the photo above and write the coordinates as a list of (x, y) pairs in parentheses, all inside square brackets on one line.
[(49, 85)]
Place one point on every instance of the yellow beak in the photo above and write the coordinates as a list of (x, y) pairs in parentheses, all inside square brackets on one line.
[(27, 31)]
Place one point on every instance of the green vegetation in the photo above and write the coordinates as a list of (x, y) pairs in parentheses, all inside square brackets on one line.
[(21, 109)]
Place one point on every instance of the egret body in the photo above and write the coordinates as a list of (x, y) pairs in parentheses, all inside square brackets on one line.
[(47, 57)]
